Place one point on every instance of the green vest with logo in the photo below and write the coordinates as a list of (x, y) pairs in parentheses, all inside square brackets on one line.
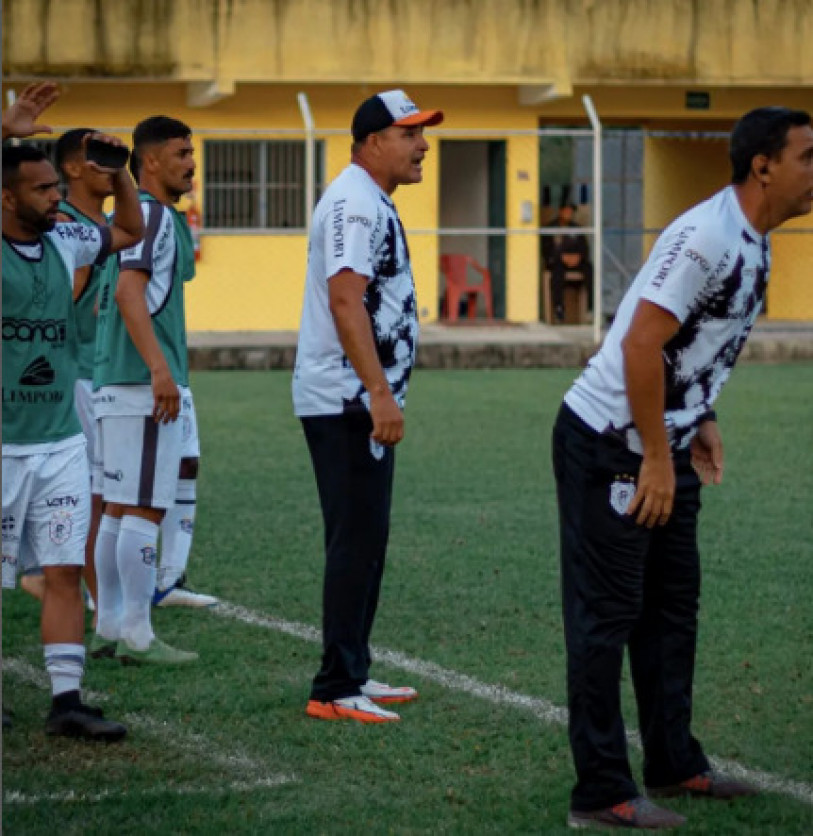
[(39, 348), (85, 306), (117, 360)]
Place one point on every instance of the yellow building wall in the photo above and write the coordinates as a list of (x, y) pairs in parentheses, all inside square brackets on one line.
[(790, 291), (255, 282), (724, 42), (522, 251)]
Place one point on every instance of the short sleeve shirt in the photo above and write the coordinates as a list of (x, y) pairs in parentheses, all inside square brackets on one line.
[(710, 269), (355, 227)]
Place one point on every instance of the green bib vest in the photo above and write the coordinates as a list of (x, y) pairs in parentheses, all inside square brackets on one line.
[(39, 348), (117, 360), (85, 306)]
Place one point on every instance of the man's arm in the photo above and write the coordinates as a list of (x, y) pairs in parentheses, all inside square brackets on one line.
[(707, 452), (20, 120), (651, 328), (81, 275), (132, 301), (346, 294), (127, 226)]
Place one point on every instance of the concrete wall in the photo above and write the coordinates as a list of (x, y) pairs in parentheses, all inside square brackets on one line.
[(529, 42)]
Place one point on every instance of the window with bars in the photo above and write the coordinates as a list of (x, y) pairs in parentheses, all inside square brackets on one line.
[(257, 184)]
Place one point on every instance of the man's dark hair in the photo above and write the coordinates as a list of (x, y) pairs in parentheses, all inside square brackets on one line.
[(14, 156), (761, 131), (155, 130), (68, 146)]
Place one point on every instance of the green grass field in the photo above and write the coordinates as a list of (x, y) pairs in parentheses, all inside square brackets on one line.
[(470, 600)]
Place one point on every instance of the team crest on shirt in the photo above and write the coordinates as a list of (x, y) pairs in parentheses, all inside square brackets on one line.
[(622, 491), (60, 527)]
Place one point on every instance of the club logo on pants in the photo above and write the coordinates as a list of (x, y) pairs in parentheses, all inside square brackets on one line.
[(60, 527), (622, 491)]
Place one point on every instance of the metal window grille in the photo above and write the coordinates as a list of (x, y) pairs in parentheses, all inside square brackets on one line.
[(257, 184)]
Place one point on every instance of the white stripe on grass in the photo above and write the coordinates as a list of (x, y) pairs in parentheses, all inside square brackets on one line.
[(72, 796), (499, 695), (195, 747), (26, 672)]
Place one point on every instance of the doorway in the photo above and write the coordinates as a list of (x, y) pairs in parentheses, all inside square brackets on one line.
[(472, 200)]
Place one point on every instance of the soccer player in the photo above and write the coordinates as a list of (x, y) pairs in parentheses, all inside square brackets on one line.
[(178, 524), (46, 483), (141, 386), (632, 444), (88, 188), (357, 345)]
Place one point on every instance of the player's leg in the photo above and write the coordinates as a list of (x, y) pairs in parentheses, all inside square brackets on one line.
[(353, 494), (602, 555), (662, 646), (16, 489), (178, 525), (109, 600), (83, 400), (57, 523), (140, 483)]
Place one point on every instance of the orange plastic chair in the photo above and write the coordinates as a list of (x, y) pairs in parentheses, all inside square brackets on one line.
[(455, 269)]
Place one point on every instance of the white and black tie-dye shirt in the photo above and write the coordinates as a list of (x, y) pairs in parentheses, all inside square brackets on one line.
[(355, 227), (710, 269)]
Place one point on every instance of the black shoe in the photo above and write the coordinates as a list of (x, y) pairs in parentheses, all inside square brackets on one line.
[(635, 814), (84, 721), (7, 724), (708, 784)]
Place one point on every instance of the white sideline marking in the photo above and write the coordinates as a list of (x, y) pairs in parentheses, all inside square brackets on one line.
[(195, 747), (37, 676), (499, 695), (70, 796)]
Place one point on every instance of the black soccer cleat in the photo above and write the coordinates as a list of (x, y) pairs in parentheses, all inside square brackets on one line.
[(84, 722)]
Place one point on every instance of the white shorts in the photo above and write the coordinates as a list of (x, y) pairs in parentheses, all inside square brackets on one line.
[(83, 400), (46, 510), (191, 440), (139, 460)]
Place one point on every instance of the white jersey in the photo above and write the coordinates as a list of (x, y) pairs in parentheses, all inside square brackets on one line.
[(710, 269), (78, 245), (355, 227), (154, 254)]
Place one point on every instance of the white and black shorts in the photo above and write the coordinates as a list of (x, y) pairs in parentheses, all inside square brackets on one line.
[(139, 460), (191, 440), (46, 510)]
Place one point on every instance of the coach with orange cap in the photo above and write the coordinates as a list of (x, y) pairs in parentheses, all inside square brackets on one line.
[(357, 346)]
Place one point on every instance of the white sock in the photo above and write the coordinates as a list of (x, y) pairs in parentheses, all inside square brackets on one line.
[(177, 529), (109, 605), (65, 664), (136, 556)]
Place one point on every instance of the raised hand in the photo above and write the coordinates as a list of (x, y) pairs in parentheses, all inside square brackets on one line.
[(20, 120)]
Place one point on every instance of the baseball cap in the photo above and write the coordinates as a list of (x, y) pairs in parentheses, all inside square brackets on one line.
[(392, 107)]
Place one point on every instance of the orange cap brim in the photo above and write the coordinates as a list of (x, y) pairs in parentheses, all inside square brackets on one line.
[(423, 118)]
